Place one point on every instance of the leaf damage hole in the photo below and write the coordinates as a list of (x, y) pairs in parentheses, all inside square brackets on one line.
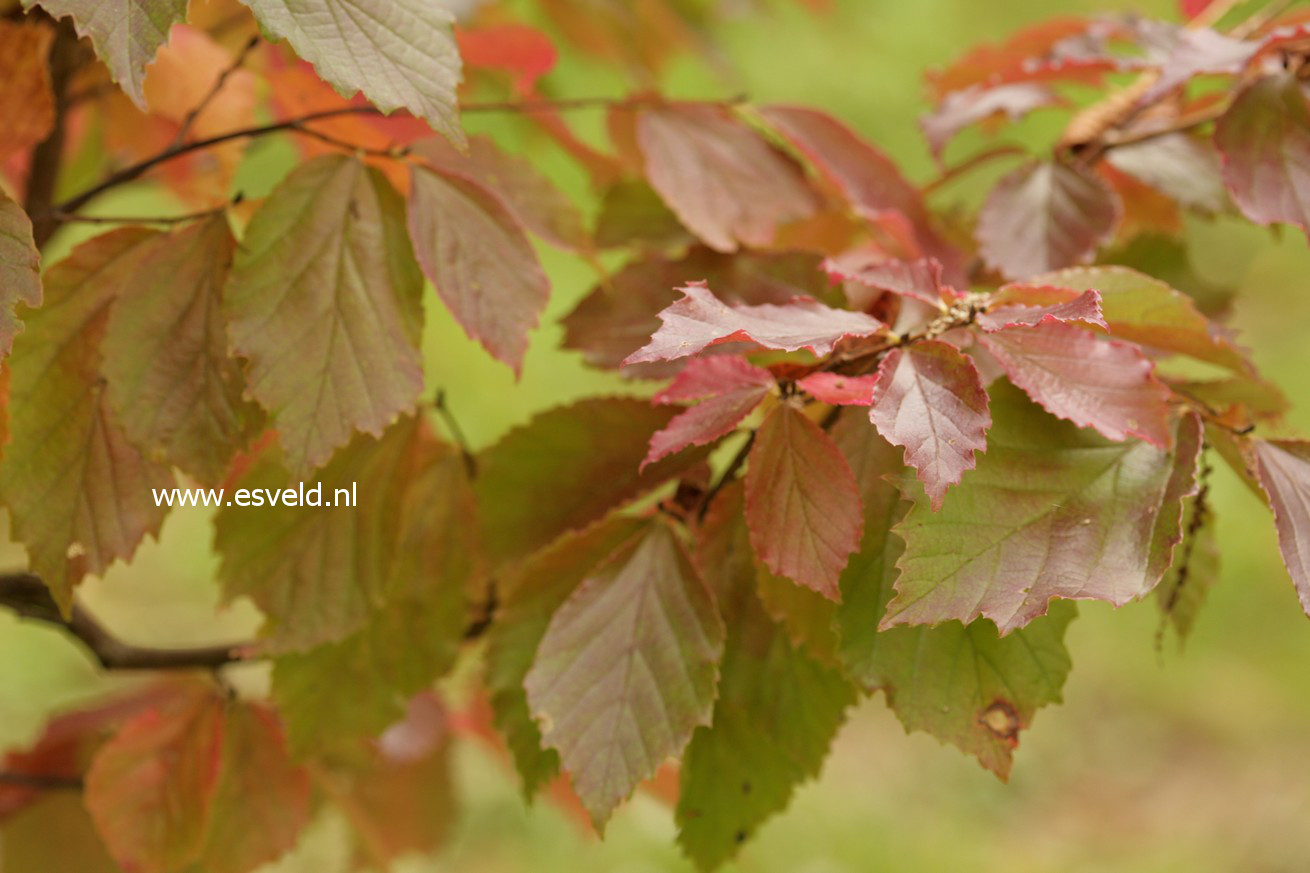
[(1002, 720)]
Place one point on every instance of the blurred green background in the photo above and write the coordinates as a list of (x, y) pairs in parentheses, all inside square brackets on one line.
[(1191, 760)]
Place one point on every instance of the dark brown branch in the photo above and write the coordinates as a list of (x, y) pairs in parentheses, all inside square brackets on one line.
[(729, 473), (28, 596), (456, 433), (48, 155), (298, 125), (41, 781)]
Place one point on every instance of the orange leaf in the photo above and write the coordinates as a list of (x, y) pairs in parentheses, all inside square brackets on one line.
[(27, 104)]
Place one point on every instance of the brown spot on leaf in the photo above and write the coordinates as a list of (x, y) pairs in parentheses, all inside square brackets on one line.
[(1002, 720)]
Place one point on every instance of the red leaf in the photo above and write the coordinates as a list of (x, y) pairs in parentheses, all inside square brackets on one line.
[(959, 109), (700, 320), (839, 390), (722, 179), (731, 388), (802, 502), (150, 789), (866, 177), (1265, 140), (1013, 311), (1193, 8), (1044, 216), (1284, 470), (480, 261), (515, 48), (1103, 384), (921, 279), (930, 400)]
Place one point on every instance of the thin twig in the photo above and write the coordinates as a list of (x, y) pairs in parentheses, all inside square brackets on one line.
[(953, 172), (48, 155), (135, 171), (71, 218), (729, 473), (456, 432), (237, 63)]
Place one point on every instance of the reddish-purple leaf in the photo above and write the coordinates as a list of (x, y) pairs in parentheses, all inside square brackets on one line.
[(1196, 52), (1183, 167), (866, 177), (1014, 312), (476, 254), (729, 389), (802, 502), (722, 179), (1093, 382), (1044, 216), (1265, 141), (959, 109), (20, 269), (930, 400), (921, 279), (1284, 470), (839, 390), (700, 320)]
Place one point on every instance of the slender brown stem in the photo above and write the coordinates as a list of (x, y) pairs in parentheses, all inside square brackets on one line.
[(729, 473), (952, 173), (456, 432), (1181, 124), (69, 218), (137, 170), (237, 63)]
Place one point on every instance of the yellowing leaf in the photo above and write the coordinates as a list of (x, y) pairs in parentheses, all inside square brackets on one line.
[(627, 669), (319, 572), (77, 489), (480, 261), (126, 33), (172, 386), (355, 688), (400, 53), (801, 502), (20, 269), (324, 301)]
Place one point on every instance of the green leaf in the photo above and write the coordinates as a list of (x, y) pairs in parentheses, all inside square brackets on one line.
[(150, 789), (77, 490), (318, 573), (127, 34), (1051, 511), (1186, 585), (262, 802), (324, 302), (801, 501), (580, 461), (480, 261), (1146, 311), (355, 688), (172, 385), (20, 269), (968, 686), (529, 599), (400, 53), (627, 669), (776, 716)]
